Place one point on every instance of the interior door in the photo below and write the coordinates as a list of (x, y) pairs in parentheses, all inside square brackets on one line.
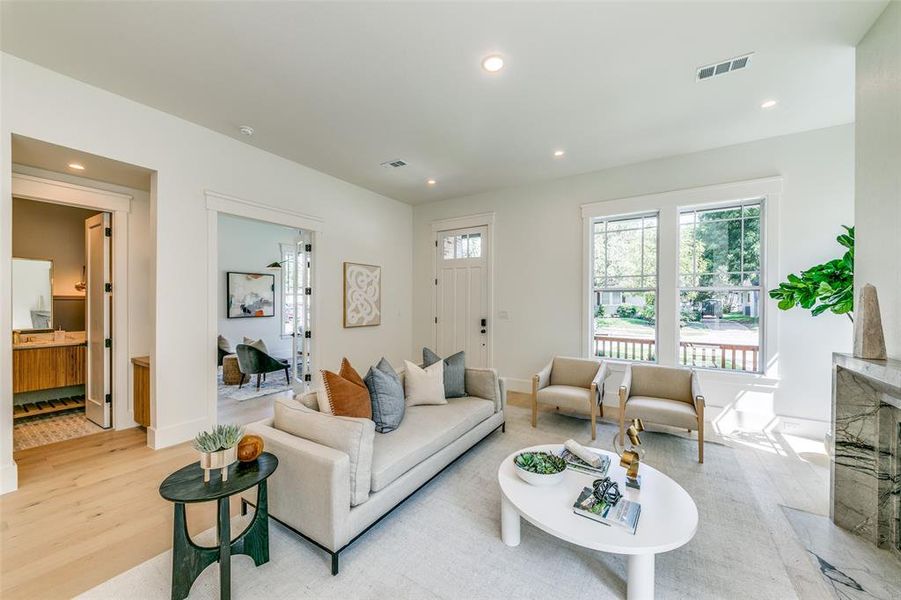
[(301, 266), (463, 294), (98, 399)]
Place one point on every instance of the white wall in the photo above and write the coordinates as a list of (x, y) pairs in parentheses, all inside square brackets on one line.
[(539, 263), (878, 185), (248, 246), (358, 226)]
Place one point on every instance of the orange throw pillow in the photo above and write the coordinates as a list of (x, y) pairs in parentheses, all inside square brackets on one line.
[(347, 393)]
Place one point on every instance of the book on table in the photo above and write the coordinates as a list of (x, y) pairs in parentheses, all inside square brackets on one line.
[(577, 464), (623, 514)]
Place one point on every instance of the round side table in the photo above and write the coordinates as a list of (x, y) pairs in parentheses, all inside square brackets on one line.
[(231, 372), (187, 485)]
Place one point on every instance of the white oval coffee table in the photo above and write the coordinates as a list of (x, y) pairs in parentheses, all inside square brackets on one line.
[(669, 517)]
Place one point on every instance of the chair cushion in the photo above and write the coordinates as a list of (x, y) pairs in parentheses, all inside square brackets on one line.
[(347, 393), (578, 372), (454, 372), (424, 386), (345, 434), (387, 394), (566, 396), (661, 382), (424, 431), (662, 411)]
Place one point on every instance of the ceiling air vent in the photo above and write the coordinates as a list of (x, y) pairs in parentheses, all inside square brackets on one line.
[(394, 164), (721, 68)]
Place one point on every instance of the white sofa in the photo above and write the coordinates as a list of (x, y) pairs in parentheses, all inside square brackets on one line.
[(337, 477)]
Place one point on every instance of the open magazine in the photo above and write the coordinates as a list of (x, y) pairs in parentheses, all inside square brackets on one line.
[(623, 514), (577, 464)]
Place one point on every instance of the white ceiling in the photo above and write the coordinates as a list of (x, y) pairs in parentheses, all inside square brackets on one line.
[(342, 87)]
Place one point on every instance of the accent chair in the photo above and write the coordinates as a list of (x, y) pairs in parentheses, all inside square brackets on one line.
[(662, 395), (253, 361), (576, 384)]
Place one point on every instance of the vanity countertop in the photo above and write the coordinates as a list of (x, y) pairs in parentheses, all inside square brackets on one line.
[(45, 340)]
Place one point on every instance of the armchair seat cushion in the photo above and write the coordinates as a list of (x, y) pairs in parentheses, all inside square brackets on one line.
[(425, 430), (566, 396), (662, 411)]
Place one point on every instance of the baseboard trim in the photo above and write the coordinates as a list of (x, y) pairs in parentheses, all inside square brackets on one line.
[(9, 478), (174, 434)]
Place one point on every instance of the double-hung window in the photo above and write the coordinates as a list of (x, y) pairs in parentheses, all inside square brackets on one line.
[(624, 294)]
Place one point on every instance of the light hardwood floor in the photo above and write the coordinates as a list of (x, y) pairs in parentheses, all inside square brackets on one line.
[(88, 509)]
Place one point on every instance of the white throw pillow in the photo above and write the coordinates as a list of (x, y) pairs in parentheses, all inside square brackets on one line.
[(424, 386), (225, 345), (258, 344)]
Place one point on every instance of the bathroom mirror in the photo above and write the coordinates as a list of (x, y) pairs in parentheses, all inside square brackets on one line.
[(32, 294)]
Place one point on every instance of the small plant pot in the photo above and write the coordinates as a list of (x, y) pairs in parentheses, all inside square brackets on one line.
[(221, 459)]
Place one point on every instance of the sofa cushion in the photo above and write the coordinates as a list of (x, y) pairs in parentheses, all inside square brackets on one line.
[(347, 393), (454, 372), (566, 396), (345, 434), (424, 386), (387, 394), (424, 431), (662, 411), (578, 372), (661, 382)]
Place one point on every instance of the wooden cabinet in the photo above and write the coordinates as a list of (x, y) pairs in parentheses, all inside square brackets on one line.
[(46, 368), (141, 389)]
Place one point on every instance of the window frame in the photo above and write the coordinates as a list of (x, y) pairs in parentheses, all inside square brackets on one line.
[(668, 205)]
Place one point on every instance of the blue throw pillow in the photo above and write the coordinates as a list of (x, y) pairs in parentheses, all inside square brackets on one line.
[(454, 372), (387, 395)]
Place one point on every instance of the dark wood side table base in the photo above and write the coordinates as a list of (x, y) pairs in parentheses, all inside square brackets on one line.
[(189, 559)]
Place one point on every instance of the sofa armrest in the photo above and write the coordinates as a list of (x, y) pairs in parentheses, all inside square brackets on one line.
[(598, 381), (544, 376), (696, 395), (484, 383), (625, 388), (308, 490)]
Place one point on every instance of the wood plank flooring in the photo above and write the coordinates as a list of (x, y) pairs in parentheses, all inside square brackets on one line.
[(88, 509)]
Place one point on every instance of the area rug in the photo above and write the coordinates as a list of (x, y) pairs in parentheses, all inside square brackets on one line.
[(30, 432), (444, 542), (275, 382)]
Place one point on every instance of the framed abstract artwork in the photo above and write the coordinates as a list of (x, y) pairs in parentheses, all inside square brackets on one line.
[(362, 295), (249, 295)]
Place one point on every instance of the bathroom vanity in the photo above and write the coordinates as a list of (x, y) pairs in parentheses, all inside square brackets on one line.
[(42, 361)]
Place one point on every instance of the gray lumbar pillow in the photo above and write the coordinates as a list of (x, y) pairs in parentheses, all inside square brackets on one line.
[(387, 395), (454, 372)]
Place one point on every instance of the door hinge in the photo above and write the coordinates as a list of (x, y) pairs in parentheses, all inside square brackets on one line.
[(108, 232), (308, 334), (436, 243), (307, 377), (436, 319), (107, 287), (109, 398), (308, 292), (108, 343), (308, 247), (436, 281)]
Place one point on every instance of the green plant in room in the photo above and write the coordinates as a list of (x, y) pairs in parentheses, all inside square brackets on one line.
[(543, 463), (222, 437), (829, 286)]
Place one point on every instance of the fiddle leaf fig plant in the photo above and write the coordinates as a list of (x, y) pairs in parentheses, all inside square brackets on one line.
[(829, 286)]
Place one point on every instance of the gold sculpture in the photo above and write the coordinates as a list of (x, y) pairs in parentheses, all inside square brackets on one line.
[(630, 457)]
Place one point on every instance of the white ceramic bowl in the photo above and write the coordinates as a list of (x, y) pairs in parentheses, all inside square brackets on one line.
[(539, 479)]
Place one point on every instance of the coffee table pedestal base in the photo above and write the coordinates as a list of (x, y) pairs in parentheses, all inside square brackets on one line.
[(640, 571), (509, 522)]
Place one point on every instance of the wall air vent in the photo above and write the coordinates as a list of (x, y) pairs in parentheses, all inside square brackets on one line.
[(394, 164), (726, 66)]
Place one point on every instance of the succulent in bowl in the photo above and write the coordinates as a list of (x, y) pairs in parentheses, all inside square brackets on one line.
[(540, 463)]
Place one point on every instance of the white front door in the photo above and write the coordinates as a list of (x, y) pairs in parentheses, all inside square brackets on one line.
[(463, 294), (98, 400)]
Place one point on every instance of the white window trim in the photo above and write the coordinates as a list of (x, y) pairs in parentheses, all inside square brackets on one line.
[(668, 205)]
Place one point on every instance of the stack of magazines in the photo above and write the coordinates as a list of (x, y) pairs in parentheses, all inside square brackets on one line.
[(624, 513), (577, 464)]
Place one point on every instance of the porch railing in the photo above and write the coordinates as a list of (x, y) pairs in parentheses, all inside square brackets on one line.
[(732, 357)]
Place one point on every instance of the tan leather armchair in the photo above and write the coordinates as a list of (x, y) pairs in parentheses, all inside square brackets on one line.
[(662, 395), (576, 384)]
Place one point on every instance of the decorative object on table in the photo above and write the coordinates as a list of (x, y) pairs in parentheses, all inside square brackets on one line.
[(572, 453), (187, 485), (539, 468), (362, 295), (595, 503), (829, 286), (869, 340), (250, 295), (631, 457), (250, 447), (347, 393), (454, 372), (218, 449)]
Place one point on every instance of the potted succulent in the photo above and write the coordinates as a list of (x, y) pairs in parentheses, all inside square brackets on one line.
[(539, 468), (218, 449)]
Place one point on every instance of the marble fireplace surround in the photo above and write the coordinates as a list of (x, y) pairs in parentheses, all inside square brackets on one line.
[(865, 495)]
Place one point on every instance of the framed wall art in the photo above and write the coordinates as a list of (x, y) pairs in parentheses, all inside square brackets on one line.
[(362, 295)]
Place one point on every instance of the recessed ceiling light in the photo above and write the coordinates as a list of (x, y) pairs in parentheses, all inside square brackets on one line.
[(431, 182), (493, 63), (768, 104), (76, 166), (559, 153), (246, 130)]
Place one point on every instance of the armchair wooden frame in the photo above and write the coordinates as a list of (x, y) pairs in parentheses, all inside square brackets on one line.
[(596, 394)]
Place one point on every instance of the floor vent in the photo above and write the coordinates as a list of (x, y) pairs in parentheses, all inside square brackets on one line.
[(721, 68)]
